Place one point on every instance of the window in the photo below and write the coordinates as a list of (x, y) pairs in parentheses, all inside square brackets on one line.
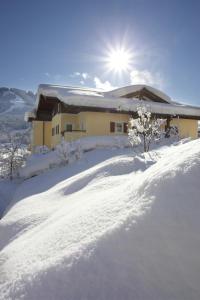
[(53, 131), (82, 125), (57, 129), (119, 127), (68, 127)]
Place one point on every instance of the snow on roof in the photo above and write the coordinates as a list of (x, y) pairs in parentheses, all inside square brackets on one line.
[(120, 92), (29, 115), (113, 100)]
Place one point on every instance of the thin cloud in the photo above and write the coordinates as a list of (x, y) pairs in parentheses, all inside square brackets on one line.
[(105, 86), (146, 77), (83, 75)]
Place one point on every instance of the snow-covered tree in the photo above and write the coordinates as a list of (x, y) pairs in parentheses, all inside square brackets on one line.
[(12, 154), (144, 129)]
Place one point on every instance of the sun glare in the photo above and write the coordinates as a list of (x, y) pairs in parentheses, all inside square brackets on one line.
[(119, 60)]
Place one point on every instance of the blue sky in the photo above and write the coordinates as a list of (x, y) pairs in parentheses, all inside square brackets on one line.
[(65, 42)]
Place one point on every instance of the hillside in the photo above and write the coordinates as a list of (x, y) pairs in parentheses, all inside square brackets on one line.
[(13, 104), (110, 226)]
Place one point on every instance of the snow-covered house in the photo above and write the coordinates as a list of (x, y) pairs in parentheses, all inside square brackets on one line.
[(72, 112)]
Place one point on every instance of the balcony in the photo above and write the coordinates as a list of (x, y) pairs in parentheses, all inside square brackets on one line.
[(71, 135)]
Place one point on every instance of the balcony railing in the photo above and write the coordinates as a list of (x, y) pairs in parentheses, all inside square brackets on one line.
[(71, 135), (73, 130)]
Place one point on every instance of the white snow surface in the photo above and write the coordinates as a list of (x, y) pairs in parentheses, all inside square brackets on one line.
[(114, 100), (110, 226), (120, 92), (38, 162)]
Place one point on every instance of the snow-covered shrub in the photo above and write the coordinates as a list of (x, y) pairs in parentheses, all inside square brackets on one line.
[(12, 155), (63, 151), (144, 129), (42, 149), (172, 131), (78, 151)]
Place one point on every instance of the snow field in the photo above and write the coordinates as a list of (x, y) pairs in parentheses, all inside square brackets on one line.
[(110, 226)]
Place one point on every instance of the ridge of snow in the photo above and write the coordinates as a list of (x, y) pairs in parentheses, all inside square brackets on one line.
[(124, 228), (38, 162)]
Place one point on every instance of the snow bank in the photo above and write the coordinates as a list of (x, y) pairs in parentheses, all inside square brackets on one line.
[(7, 189), (39, 162), (126, 228)]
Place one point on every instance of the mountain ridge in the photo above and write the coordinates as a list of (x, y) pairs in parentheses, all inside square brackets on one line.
[(14, 103)]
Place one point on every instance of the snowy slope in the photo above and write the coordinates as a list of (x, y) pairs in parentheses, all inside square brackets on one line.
[(13, 104), (112, 226), (15, 100)]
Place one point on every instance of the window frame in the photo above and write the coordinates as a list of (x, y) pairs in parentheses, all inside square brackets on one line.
[(70, 124), (122, 127)]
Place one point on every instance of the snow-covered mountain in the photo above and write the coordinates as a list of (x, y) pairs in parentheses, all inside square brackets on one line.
[(13, 104), (114, 225)]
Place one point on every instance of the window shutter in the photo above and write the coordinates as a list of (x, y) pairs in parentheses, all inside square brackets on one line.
[(112, 126), (125, 127)]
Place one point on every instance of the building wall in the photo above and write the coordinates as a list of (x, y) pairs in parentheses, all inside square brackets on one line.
[(72, 136), (94, 123), (41, 134), (56, 138), (186, 127), (47, 134), (71, 119), (98, 123)]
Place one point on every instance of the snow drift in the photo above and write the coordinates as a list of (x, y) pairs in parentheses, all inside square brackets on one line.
[(40, 162), (125, 228)]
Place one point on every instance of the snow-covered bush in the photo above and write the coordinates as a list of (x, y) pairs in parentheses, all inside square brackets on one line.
[(12, 155), (172, 131), (68, 152), (78, 151), (144, 129), (42, 149), (63, 151)]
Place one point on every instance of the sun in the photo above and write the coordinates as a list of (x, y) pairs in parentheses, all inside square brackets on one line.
[(119, 60)]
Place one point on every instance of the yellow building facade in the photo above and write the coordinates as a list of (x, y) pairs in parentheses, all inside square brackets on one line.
[(72, 127), (72, 113)]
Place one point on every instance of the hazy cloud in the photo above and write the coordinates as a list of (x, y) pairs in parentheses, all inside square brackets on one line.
[(85, 75), (146, 77), (106, 85)]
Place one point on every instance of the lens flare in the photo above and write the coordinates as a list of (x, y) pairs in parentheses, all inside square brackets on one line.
[(119, 60)]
